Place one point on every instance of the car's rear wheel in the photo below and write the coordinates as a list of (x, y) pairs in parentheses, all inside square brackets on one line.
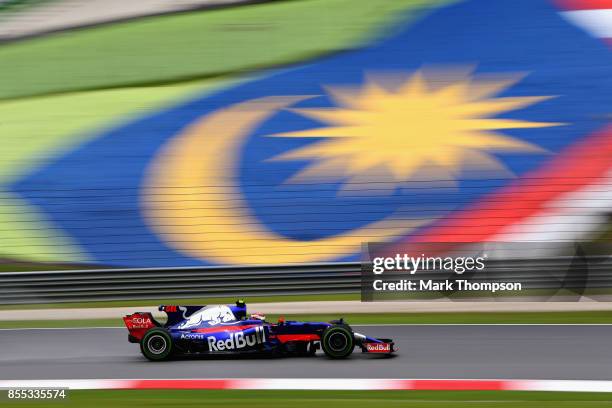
[(338, 341), (156, 344)]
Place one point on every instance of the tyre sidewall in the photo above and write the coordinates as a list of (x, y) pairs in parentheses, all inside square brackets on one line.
[(335, 330), (145, 345)]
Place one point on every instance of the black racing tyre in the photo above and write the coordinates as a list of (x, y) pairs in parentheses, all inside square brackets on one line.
[(338, 341), (156, 344)]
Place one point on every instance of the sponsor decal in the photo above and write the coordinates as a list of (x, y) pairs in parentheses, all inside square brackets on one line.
[(378, 347), (192, 336), (139, 322), (237, 340)]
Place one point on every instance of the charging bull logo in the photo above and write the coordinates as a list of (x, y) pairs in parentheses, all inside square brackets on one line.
[(211, 316), (398, 141), (237, 340)]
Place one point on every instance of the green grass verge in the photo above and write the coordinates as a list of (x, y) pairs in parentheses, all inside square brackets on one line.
[(374, 318), (165, 49), (321, 399)]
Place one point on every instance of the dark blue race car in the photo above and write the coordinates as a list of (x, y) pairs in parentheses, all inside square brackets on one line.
[(226, 329)]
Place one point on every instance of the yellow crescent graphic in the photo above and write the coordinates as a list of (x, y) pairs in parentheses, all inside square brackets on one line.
[(192, 201)]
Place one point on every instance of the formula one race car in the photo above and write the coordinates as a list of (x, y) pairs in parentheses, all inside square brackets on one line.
[(226, 329)]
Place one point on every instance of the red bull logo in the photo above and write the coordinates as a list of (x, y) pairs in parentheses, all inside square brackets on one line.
[(237, 340), (378, 347)]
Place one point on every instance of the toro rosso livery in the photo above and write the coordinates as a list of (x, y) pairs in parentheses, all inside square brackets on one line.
[(226, 329)]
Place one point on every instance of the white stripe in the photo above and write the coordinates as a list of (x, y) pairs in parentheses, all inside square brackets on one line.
[(313, 384), (561, 385), (598, 23), (70, 384)]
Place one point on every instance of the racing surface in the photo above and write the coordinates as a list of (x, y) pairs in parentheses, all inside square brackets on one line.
[(445, 351)]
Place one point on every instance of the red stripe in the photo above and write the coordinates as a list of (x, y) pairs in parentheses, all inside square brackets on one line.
[(225, 328), (415, 385), (283, 338), (182, 384), (456, 385), (585, 163), (584, 4)]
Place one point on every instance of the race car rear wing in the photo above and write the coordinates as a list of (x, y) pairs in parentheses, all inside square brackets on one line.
[(138, 324)]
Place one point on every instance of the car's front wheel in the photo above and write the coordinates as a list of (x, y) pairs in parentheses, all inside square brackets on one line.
[(156, 344), (338, 341)]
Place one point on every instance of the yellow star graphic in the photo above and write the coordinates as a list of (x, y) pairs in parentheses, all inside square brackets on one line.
[(426, 127)]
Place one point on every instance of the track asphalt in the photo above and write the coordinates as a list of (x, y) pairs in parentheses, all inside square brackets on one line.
[(445, 351)]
